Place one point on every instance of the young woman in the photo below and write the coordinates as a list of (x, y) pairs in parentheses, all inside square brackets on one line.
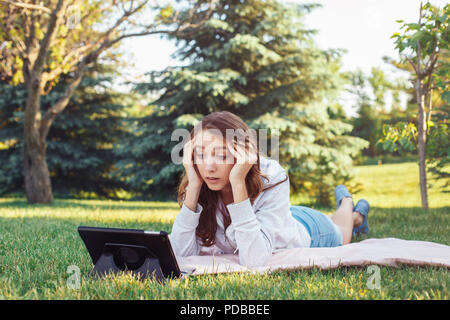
[(234, 200)]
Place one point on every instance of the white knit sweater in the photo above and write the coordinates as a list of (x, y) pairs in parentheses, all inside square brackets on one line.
[(256, 231)]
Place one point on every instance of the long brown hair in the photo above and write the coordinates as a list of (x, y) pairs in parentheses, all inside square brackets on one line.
[(209, 199)]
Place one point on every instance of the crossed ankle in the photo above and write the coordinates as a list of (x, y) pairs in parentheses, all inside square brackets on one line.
[(358, 219), (347, 200)]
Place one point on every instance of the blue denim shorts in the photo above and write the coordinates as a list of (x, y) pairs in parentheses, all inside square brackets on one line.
[(323, 231)]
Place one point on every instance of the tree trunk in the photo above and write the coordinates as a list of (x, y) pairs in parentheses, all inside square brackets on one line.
[(37, 177), (422, 144)]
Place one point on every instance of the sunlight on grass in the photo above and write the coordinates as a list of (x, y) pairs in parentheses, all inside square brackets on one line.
[(95, 211), (31, 234), (397, 186)]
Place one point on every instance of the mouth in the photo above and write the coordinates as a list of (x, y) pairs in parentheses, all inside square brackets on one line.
[(212, 179)]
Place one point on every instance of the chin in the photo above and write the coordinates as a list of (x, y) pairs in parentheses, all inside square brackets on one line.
[(215, 187)]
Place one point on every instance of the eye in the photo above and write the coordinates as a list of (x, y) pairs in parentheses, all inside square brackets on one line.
[(200, 156)]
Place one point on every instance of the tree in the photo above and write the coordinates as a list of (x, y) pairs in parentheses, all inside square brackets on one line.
[(370, 92), (255, 59), (367, 122), (79, 152), (438, 147), (40, 42), (425, 46)]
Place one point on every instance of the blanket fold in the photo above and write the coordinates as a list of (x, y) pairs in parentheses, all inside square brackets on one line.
[(385, 252)]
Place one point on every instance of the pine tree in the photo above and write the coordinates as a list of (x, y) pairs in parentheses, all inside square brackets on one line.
[(256, 59), (79, 150), (12, 98)]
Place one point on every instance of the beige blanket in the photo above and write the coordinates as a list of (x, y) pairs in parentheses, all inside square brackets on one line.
[(387, 252)]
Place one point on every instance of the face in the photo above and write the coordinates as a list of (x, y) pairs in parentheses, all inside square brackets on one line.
[(213, 159)]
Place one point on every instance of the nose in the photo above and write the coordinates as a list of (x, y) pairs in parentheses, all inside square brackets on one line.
[(210, 163)]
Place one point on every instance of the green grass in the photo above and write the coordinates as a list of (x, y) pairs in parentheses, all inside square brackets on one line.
[(39, 242), (397, 186)]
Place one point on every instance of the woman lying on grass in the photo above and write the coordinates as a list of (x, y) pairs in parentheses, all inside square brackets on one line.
[(243, 205)]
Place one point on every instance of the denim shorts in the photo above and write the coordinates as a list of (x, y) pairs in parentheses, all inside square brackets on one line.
[(323, 231)]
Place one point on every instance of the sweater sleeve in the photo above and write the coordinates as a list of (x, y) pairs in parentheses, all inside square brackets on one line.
[(183, 238), (254, 231)]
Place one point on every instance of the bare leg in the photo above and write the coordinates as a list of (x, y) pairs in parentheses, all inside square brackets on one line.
[(346, 219)]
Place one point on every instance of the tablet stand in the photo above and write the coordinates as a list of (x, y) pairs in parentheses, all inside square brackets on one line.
[(118, 257)]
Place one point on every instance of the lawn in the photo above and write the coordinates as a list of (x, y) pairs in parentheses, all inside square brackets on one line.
[(38, 243)]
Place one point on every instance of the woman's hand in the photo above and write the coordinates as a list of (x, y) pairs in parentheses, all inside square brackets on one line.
[(195, 181), (246, 157)]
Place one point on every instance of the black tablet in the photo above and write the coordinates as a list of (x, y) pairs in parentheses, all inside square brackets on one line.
[(129, 249)]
